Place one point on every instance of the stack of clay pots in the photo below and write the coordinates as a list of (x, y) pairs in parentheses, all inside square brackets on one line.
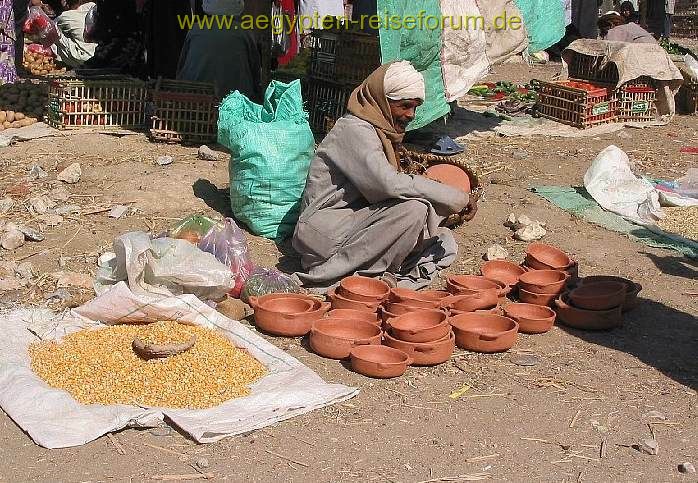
[(286, 314), (597, 303)]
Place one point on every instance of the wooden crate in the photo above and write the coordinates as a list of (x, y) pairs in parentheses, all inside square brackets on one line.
[(325, 102), (566, 102), (184, 112), (591, 68), (685, 26), (637, 101), (343, 56), (686, 7), (103, 102)]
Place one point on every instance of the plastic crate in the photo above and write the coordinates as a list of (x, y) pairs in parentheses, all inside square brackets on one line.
[(325, 102), (183, 112), (577, 103), (107, 103), (343, 57), (685, 26), (592, 68), (637, 101)]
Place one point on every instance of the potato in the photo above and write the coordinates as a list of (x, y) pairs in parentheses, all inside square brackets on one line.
[(10, 116), (19, 116), (16, 124), (3, 117), (25, 123), (6, 124)]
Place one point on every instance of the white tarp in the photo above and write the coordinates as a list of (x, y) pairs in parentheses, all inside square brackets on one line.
[(54, 419), (463, 53)]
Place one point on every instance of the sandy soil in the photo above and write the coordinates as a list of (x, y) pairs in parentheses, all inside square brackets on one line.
[(546, 422)]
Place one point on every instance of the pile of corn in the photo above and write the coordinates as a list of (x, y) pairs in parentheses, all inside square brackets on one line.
[(99, 367), (681, 221)]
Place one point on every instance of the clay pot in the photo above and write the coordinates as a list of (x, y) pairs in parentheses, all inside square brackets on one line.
[(450, 175), (428, 299), (386, 316), (286, 305), (502, 271), (480, 332), (402, 309), (462, 284), (543, 281), (283, 295), (532, 319), (285, 324), (423, 326), (335, 339), (349, 314), (546, 257), (598, 296), (379, 361), (632, 289), (587, 319), (543, 299), (426, 354), (476, 301), (339, 302), (363, 289), (496, 311)]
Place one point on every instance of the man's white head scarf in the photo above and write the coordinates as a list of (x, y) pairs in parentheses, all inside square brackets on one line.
[(403, 81), (223, 7)]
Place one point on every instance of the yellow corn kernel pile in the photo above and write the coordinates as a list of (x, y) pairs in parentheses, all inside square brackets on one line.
[(682, 221), (99, 367)]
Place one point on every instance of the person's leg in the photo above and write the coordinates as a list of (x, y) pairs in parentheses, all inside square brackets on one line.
[(20, 9), (668, 25)]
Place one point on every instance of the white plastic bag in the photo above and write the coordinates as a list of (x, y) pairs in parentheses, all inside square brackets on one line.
[(611, 182), (164, 266)]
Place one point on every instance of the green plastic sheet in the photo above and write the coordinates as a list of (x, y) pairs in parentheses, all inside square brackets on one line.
[(545, 22)]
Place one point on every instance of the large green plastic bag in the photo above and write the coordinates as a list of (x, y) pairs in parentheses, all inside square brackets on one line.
[(271, 147), (545, 22), (421, 46)]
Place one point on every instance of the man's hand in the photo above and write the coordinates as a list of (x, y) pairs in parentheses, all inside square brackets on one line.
[(470, 210)]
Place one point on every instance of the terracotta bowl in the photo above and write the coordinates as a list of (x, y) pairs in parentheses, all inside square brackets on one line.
[(632, 289), (450, 175), (379, 361), (543, 281), (285, 324), (426, 354), (423, 326), (543, 299), (386, 316), (587, 319), (496, 311), (598, 296), (363, 289), (287, 305), (339, 302), (349, 314), (470, 303), (427, 299), (334, 339), (481, 332), (532, 319), (402, 309), (502, 271), (283, 295), (547, 255), (473, 282)]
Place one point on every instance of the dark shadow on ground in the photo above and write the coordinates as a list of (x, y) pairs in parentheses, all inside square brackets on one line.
[(659, 336), (216, 199), (459, 123), (675, 265)]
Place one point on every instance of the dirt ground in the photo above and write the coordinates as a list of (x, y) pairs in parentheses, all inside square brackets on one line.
[(548, 422)]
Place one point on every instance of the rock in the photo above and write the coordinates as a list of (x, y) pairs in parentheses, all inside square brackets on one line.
[(649, 446), (37, 206), (496, 252), (60, 194), (25, 270), (655, 415), (232, 308), (519, 154), (11, 283), (207, 154), (71, 174), (12, 239), (624, 135), (161, 431), (31, 234), (525, 360), (8, 269), (517, 222), (530, 233), (687, 468), (511, 221), (118, 211), (36, 172), (6, 205), (68, 210), (50, 219), (164, 160), (202, 463), (73, 279)]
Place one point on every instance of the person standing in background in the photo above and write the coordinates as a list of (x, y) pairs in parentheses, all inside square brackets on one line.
[(163, 36), (669, 6), (585, 14), (8, 73)]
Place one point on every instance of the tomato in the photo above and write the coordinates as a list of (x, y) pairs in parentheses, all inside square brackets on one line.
[(499, 96)]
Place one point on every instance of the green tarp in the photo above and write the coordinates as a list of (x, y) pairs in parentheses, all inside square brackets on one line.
[(545, 22)]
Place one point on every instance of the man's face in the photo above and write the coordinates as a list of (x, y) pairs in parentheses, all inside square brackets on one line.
[(625, 13), (403, 112)]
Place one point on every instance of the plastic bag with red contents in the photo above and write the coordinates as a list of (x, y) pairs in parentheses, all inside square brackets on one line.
[(40, 49), (228, 244), (40, 28)]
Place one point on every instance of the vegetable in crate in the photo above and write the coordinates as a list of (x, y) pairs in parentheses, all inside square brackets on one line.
[(267, 280)]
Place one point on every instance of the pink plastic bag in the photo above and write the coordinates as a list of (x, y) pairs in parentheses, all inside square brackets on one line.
[(40, 49), (229, 246), (40, 28)]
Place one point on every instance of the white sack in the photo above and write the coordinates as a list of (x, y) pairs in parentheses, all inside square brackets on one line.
[(54, 419)]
